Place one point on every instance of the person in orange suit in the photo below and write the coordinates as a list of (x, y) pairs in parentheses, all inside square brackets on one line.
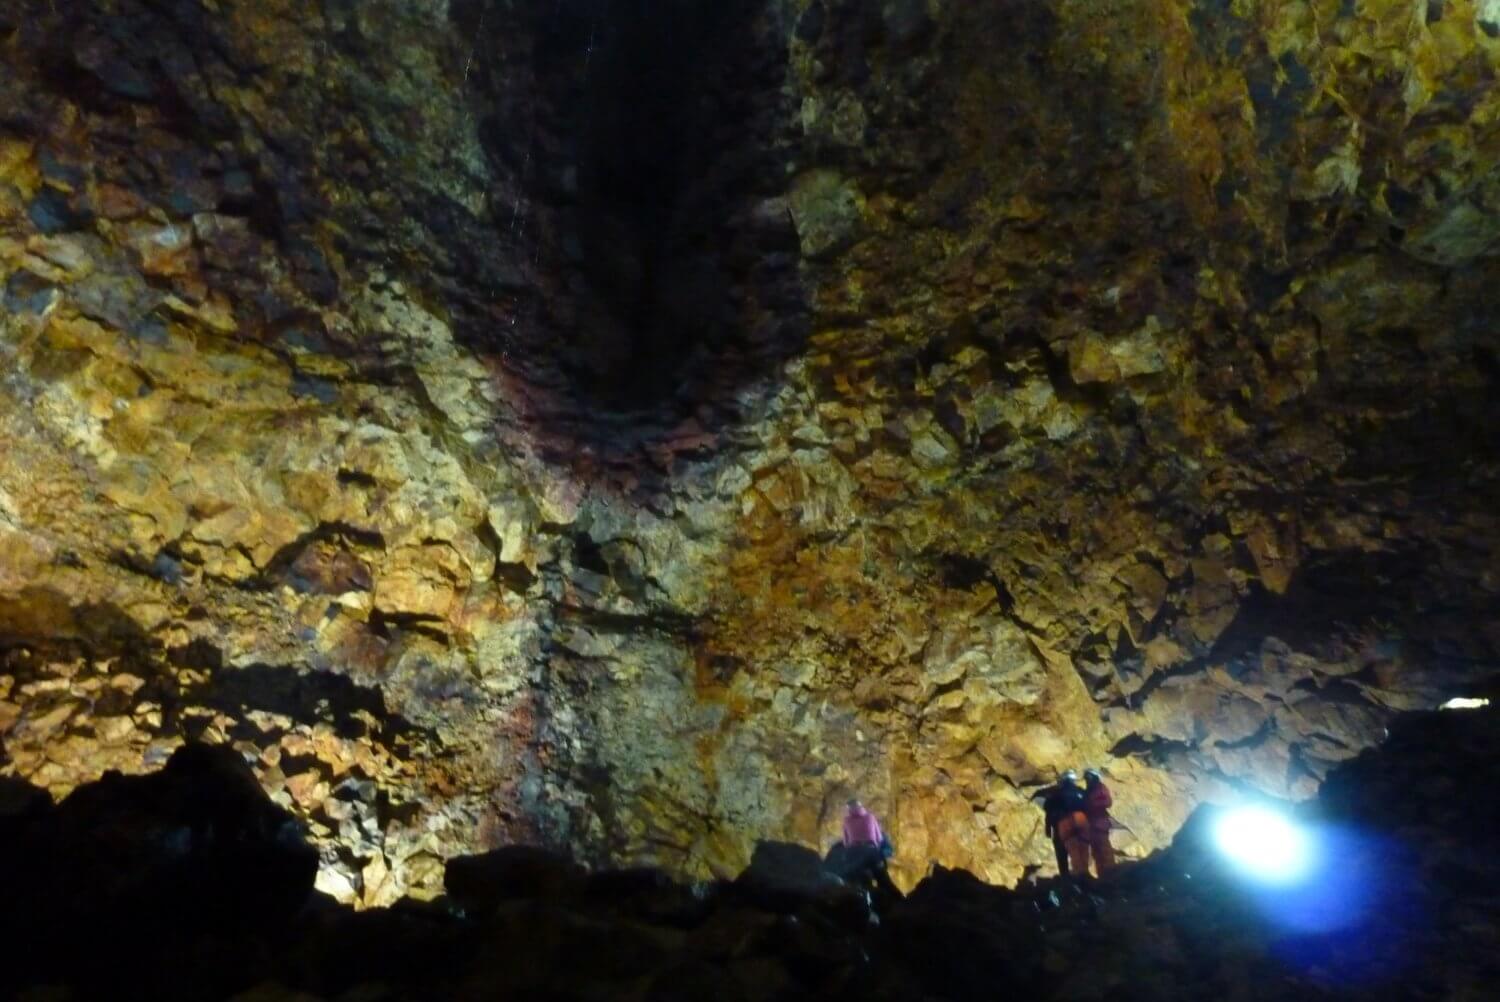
[(1097, 801), (1068, 824)]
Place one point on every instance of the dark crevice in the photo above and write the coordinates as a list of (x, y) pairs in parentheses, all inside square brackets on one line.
[(282, 563), (662, 622), (355, 478), (947, 687), (389, 625), (963, 572), (307, 697), (588, 555), (1156, 681), (516, 578), (513, 577), (1147, 746), (46, 621)]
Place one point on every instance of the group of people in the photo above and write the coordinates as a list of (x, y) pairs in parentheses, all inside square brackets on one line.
[(1077, 821)]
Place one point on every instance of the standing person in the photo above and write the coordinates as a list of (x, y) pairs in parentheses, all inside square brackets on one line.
[(1071, 824), (1054, 808), (1097, 801), (865, 847)]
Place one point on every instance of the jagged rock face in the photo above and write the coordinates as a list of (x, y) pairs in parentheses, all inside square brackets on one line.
[(635, 427)]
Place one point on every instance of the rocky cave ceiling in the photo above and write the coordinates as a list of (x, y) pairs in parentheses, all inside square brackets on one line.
[(633, 426)]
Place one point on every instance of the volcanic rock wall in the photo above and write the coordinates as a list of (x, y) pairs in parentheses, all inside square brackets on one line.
[(638, 426)]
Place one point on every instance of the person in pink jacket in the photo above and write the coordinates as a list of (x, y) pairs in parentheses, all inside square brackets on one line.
[(860, 826), (865, 848)]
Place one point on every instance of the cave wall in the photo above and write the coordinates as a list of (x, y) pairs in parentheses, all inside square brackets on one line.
[(975, 391)]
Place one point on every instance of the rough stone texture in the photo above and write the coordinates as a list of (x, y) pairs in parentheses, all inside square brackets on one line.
[(1398, 903), (635, 428)]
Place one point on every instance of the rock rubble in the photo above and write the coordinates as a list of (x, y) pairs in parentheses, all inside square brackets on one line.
[(206, 890)]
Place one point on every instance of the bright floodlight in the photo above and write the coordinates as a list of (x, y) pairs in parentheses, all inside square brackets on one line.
[(1264, 844), (1462, 703)]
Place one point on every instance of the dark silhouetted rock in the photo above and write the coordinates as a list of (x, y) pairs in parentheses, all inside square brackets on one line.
[(20, 801), (196, 849), (199, 837), (783, 876), (191, 880), (511, 873), (650, 895)]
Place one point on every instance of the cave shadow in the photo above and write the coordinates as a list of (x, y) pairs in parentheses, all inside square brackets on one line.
[(306, 697), (660, 291), (1336, 595), (45, 622), (1333, 601), (41, 625)]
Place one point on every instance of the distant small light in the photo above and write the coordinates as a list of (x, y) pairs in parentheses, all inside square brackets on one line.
[(1464, 704)]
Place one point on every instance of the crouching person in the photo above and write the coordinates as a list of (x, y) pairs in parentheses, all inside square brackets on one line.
[(865, 850)]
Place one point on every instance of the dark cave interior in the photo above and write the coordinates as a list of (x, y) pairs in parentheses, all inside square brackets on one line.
[(650, 190), (483, 482)]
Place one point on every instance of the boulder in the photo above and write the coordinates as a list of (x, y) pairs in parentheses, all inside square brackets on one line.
[(650, 895), (782, 876), (157, 841), (196, 846), (826, 209), (514, 872), (20, 802), (954, 932)]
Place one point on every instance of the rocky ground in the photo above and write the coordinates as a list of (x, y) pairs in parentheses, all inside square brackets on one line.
[(189, 884), (634, 427)]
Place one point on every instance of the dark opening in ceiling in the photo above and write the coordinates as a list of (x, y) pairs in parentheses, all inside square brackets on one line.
[(651, 156)]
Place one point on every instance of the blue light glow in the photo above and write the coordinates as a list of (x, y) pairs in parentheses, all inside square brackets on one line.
[(1264, 844)]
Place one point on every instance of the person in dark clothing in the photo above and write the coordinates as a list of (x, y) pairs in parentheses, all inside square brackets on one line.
[(864, 866), (1063, 801)]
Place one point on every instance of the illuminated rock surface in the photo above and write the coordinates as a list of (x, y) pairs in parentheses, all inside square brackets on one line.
[(632, 428)]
